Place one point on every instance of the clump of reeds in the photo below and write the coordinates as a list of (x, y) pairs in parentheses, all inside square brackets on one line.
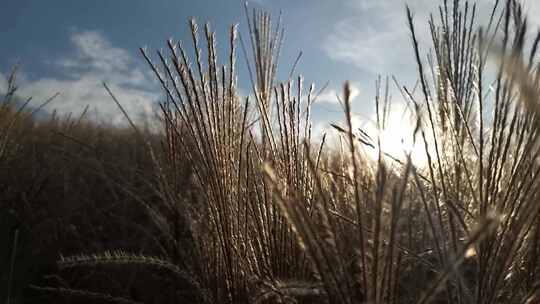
[(493, 142), (242, 236)]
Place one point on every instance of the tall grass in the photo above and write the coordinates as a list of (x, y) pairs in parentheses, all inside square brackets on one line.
[(68, 185), (281, 218)]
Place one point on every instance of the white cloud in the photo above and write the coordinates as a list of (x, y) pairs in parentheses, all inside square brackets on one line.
[(334, 138), (88, 90), (80, 79), (3, 83), (332, 96), (328, 96), (532, 10), (375, 37), (99, 52)]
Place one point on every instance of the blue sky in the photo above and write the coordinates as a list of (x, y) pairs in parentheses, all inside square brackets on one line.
[(71, 46)]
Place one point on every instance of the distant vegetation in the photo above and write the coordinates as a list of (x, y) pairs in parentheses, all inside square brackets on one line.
[(234, 202)]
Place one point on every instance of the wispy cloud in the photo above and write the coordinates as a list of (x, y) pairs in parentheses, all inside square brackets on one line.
[(331, 96), (532, 10), (375, 38), (3, 83), (80, 75)]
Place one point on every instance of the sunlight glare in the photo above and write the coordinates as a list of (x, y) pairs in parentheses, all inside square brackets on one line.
[(397, 136)]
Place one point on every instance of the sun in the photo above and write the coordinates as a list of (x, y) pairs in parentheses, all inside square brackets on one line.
[(397, 136)]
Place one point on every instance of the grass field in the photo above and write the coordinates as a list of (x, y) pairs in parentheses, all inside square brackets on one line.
[(236, 202)]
